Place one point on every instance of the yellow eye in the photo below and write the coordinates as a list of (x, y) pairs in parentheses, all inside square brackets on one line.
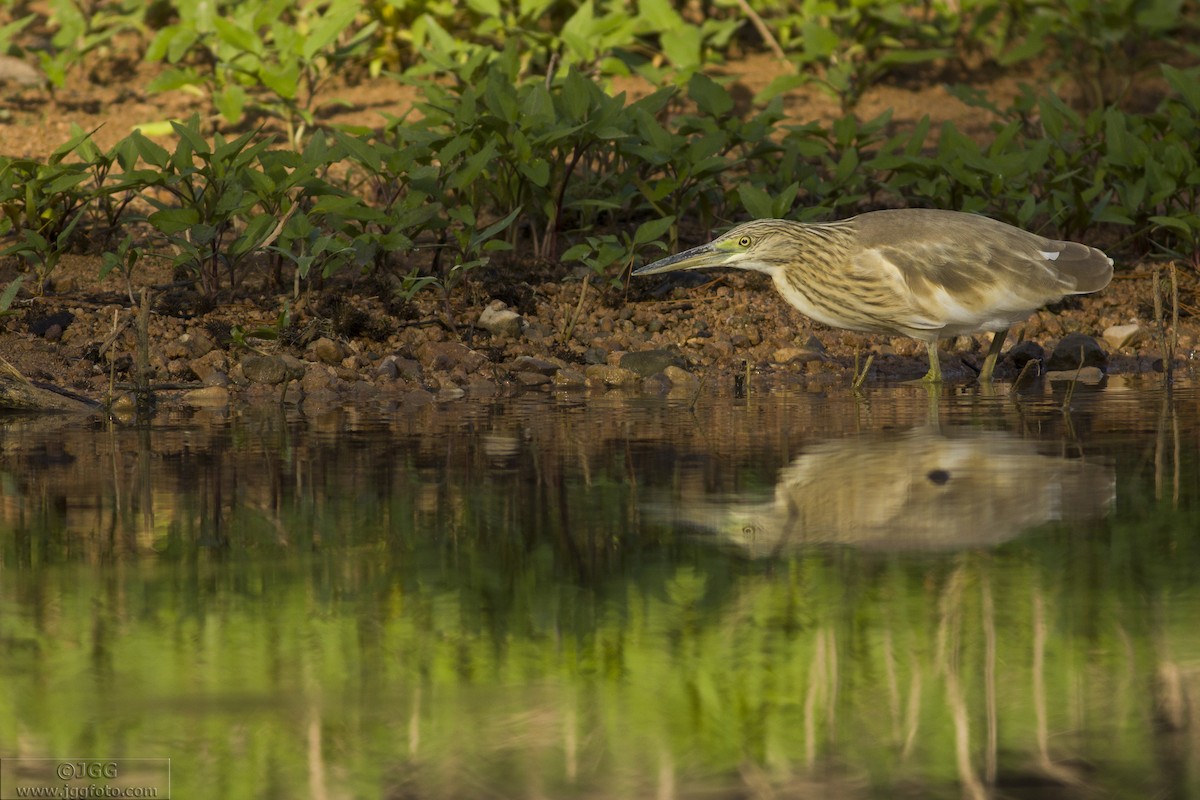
[(744, 241)]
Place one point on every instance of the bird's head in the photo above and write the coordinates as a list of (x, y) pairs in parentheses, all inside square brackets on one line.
[(759, 245)]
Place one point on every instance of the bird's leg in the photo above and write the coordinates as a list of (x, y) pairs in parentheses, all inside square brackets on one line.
[(860, 376), (935, 367), (989, 361)]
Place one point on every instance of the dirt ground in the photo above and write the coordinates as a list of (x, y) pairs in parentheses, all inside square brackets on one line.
[(354, 341)]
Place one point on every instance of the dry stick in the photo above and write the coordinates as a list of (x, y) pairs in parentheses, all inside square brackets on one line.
[(1167, 342), (112, 361), (861, 377), (762, 29), (143, 347), (1020, 375), (578, 310), (1066, 403)]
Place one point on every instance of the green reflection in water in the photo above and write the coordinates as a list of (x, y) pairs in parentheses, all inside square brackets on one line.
[(506, 602)]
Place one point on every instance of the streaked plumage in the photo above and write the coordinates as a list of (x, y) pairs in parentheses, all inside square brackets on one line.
[(923, 273)]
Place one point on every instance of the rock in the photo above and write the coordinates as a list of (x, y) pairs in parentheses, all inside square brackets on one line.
[(42, 326), (405, 368), (318, 378), (387, 369), (531, 364), (211, 368), (681, 378), (532, 378), (567, 378), (14, 70), (1083, 375), (1066, 355), (650, 362), (595, 355), (1119, 336), (786, 355), (327, 351), (192, 344), (208, 397), (811, 350), (271, 369), (1023, 352), (447, 355), (499, 320), (610, 376)]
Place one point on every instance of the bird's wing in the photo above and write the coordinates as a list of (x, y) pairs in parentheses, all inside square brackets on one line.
[(956, 284)]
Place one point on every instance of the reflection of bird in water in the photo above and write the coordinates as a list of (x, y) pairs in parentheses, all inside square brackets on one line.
[(918, 490)]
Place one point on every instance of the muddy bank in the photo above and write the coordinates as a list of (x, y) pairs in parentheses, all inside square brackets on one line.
[(706, 333)]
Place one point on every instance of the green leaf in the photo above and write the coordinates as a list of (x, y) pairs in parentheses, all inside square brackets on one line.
[(189, 133), (682, 45), (174, 78), (1175, 224), (257, 230), (230, 101), (496, 227), (659, 15), (174, 220), (236, 36), (10, 293), (652, 230), (576, 252), (537, 171), (711, 98), (1186, 82), (756, 201), (150, 152), (337, 19)]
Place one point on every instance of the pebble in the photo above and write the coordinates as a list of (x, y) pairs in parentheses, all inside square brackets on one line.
[(499, 320), (538, 365), (207, 397), (650, 362), (271, 369), (447, 355), (327, 351), (528, 379), (1083, 375), (1120, 336), (567, 378), (681, 378), (610, 376)]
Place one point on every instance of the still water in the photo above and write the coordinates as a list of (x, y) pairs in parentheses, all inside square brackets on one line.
[(612, 596)]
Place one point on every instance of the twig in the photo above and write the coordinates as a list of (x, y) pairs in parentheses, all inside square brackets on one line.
[(1066, 403), (762, 29), (143, 345), (861, 377), (578, 310)]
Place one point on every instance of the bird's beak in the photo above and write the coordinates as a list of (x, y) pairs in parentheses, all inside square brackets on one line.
[(697, 258)]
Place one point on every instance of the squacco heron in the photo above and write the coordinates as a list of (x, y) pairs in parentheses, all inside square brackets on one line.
[(923, 273)]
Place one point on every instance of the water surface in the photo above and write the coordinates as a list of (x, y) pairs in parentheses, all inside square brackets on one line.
[(784, 594)]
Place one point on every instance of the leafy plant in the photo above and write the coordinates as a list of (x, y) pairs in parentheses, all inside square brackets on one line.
[(87, 28), (259, 55), (849, 47), (9, 295), (1101, 47), (209, 222), (42, 203), (600, 253)]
